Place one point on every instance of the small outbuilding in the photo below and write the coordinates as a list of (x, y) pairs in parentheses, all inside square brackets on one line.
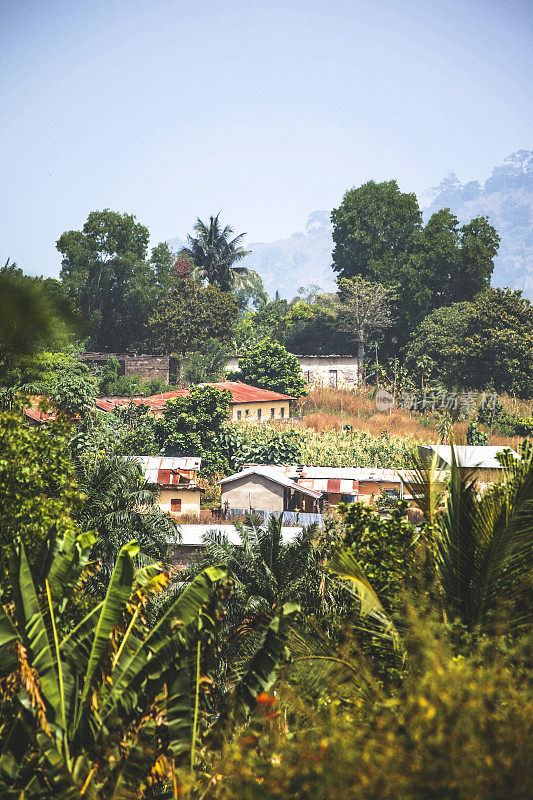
[(177, 479), (259, 489)]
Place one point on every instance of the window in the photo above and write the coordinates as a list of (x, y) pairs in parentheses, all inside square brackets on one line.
[(258, 413), (175, 505), (272, 413), (282, 411), (247, 412), (239, 414)]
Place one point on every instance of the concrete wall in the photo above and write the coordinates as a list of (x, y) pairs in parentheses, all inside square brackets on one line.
[(147, 366), (338, 371), (255, 491), (190, 500), (248, 411), (335, 371)]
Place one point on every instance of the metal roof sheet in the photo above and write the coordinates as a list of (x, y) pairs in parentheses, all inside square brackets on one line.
[(193, 535), (240, 393), (469, 456), (244, 393), (280, 479), (160, 469), (306, 473)]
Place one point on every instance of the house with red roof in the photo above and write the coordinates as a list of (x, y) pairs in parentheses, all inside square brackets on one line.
[(248, 403)]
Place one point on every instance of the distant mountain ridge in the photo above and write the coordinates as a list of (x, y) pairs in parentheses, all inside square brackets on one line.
[(506, 198)]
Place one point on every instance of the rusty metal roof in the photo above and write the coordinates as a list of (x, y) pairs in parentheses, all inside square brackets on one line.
[(244, 393), (320, 477), (168, 471), (240, 393)]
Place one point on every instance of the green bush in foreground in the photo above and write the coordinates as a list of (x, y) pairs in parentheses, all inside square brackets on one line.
[(458, 728)]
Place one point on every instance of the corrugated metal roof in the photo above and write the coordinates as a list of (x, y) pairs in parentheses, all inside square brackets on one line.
[(34, 412), (244, 393), (307, 474), (193, 535), (469, 456), (278, 478), (240, 393), (166, 471)]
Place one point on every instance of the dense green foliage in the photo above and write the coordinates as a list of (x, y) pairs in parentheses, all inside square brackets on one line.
[(119, 504), (37, 488), (456, 728), (264, 444), (378, 234), (108, 275), (189, 315), (504, 421), (193, 425), (32, 318), (487, 342), (113, 706), (270, 366), (373, 659)]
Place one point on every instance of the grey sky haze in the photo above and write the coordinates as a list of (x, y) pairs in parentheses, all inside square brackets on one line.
[(263, 111)]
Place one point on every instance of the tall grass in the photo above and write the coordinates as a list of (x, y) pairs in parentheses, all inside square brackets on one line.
[(321, 412)]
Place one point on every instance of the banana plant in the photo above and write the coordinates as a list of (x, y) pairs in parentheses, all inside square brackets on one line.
[(96, 711)]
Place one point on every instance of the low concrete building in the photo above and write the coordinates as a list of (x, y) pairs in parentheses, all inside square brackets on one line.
[(177, 479), (247, 404), (338, 372), (261, 489)]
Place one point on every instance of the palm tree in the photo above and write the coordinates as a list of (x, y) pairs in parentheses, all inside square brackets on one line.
[(121, 505), (483, 542), (214, 254), (267, 572)]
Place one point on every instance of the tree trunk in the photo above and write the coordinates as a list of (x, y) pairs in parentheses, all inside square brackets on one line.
[(360, 358)]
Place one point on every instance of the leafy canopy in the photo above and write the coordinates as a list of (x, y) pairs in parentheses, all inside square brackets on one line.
[(270, 366), (192, 314), (486, 343), (108, 275)]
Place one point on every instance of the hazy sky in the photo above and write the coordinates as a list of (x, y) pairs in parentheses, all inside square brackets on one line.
[(264, 111)]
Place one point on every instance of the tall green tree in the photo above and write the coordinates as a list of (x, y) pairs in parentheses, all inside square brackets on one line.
[(373, 228), (379, 235), (270, 366), (448, 264), (193, 425), (191, 313), (107, 273)]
